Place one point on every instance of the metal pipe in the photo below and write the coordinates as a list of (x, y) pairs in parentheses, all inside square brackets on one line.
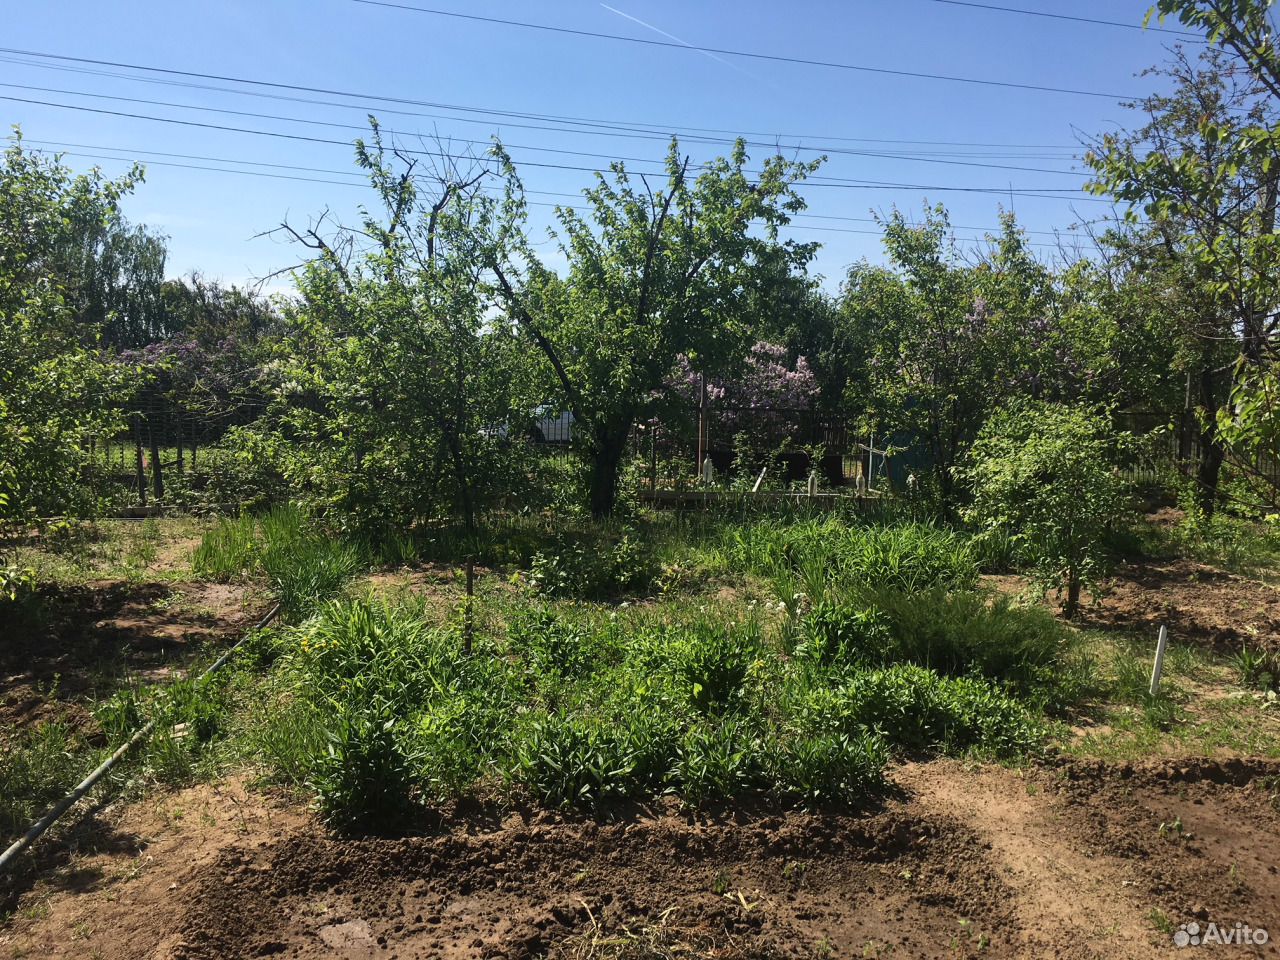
[(66, 803)]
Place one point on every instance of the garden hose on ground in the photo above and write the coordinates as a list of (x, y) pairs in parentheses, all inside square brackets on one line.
[(87, 784)]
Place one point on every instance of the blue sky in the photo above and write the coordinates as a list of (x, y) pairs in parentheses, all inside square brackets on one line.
[(212, 217)]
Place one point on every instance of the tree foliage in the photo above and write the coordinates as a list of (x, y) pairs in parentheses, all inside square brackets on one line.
[(58, 388), (1046, 475), (652, 274), (394, 379), (1201, 169), (947, 338)]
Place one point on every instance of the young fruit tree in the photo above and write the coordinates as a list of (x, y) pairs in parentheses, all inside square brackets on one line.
[(394, 380), (1046, 474), (653, 274)]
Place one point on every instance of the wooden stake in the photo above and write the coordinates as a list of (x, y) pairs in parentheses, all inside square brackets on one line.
[(1161, 642), (139, 474), (468, 622)]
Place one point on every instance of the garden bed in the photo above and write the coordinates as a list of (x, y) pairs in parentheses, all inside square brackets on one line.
[(1071, 860), (753, 739)]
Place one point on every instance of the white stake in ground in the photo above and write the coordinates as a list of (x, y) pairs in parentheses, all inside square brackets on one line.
[(1158, 667)]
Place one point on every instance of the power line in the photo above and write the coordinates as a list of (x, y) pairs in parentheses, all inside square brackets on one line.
[(828, 182), (533, 203), (1065, 16), (871, 154), (775, 58), (593, 126), (363, 181)]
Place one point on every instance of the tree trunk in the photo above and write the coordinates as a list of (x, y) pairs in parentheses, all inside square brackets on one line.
[(606, 461), (140, 474), (157, 476), (466, 499), (1209, 470), (178, 439), (1072, 606), (1212, 452)]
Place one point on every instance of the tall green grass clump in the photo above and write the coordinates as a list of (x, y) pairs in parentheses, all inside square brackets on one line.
[(303, 565), (808, 558), (307, 570), (37, 766), (381, 712), (228, 550), (958, 632), (914, 709), (191, 716)]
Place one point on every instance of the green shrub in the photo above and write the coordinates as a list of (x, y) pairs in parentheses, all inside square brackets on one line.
[(365, 778), (719, 760), (839, 768), (910, 556), (574, 568), (834, 632), (381, 712), (122, 713), (190, 715), (1257, 668), (448, 735), (552, 644), (571, 759), (374, 699), (715, 662), (1047, 475), (370, 649), (958, 632), (914, 708)]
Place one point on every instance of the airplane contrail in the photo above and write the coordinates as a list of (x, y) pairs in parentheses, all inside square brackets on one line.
[(672, 36)]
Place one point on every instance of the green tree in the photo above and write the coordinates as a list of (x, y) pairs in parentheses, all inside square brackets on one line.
[(113, 274), (58, 389), (1250, 422), (653, 274), (1120, 337), (394, 382), (1046, 475), (940, 354), (1203, 172)]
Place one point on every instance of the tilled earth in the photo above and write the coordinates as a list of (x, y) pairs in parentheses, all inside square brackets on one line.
[(89, 637), (1069, 860)]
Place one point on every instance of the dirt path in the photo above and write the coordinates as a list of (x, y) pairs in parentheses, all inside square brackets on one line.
[(1066, 902), (1072, 861)]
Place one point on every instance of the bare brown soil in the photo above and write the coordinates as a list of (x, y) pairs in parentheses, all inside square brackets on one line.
[(1064, 861), (81, 640), (1200, 603)]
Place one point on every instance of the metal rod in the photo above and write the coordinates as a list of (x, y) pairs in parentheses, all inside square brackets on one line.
[(66, 803)]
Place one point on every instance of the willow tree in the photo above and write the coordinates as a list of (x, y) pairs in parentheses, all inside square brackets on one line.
[(58, 390), (654, 273)]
